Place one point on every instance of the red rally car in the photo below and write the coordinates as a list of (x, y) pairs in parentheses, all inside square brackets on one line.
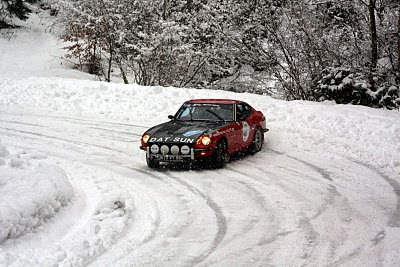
[(209, 130)]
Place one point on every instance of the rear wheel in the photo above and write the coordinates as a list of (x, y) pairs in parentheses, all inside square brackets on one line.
[(220, 154), (257, 143)]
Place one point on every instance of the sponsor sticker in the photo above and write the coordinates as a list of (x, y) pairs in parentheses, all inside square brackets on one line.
[(223, 132), (246, 131), (190, 133), (172, 140)]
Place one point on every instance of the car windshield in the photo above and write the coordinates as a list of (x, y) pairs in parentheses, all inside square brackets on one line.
[(206, 112)]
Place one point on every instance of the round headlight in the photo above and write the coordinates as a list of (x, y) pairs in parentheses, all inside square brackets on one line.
[(205, 140), (164, 149), (174, 150), (154, 149), (145, 138)]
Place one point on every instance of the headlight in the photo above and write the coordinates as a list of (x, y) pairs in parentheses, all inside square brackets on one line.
[(145, 138), (205, 140)]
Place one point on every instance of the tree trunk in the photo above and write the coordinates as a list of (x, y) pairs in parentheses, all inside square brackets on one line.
[(189, 5), (123, 74), (374, 40), (398, 48), (110, 60), (165, 9)]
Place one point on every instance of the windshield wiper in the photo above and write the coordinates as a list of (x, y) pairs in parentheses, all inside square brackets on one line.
[(216, 115)]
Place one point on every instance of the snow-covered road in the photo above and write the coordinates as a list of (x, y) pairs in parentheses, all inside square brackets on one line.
[(273, 208)]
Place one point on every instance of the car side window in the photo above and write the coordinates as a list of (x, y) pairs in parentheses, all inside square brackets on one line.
[(248, 110), (240, 112)]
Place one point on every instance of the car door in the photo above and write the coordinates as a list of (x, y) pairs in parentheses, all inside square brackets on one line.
[(246, 129)]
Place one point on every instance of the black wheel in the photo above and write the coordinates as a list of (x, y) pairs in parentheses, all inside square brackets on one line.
[(152, 163), (220, 154), (257, 143)]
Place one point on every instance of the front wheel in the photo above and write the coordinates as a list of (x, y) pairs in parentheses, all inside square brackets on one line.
[(151, 163), (257, 143), (220, 154)]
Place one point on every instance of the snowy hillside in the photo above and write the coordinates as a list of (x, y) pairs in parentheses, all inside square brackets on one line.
[(75, 188)]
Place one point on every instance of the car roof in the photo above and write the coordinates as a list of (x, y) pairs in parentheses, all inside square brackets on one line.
[(214, 101)]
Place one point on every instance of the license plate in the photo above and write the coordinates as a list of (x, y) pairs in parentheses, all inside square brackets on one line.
[(169, 157)]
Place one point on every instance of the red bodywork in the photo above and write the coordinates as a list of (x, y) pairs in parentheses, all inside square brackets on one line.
[(234, 133), (238, 134)]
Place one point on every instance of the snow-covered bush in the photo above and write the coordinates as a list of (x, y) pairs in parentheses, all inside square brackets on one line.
[(388, 96), (345, 86)]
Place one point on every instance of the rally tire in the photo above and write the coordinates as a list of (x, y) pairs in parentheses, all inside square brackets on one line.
[(220, 155), (257, 143), (152, 163)]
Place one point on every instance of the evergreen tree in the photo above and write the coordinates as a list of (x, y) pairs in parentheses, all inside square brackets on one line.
[(10, 9)]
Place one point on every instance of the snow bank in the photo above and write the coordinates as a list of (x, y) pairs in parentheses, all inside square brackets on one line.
[(31, 193), (98, 233)]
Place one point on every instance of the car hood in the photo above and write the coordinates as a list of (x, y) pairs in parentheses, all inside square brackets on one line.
[(182, 131)]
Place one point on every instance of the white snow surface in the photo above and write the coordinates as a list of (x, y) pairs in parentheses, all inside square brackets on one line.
[(324, 190), (29, 195)]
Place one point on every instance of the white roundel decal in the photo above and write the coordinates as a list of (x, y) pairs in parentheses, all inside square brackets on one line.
[(246, 131), (185, 150)]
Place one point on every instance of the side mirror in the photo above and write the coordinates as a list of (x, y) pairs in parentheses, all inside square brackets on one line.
[(171, 117)]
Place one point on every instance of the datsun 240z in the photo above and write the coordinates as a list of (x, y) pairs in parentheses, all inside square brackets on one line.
[(206, 130)]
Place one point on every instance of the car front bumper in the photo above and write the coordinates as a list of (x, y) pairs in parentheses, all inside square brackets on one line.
[(194, 155)]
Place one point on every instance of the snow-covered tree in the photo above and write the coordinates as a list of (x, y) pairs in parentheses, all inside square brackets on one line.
[(10, 9), (199, 43)]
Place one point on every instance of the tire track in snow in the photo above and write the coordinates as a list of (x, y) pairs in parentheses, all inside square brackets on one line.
[(220, 218), (72, 119), (394, 217), (157, 219), (333, 193), (94, 128), (261, 201), (332, 197), (61, 139), (258, 198), (304, 223), (166, 237)]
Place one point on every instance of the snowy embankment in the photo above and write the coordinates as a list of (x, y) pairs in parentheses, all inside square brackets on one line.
[(31, 193), (365, 134), (36, 195)]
